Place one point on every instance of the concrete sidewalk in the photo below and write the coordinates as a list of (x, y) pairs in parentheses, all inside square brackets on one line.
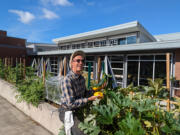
[(14, 122)]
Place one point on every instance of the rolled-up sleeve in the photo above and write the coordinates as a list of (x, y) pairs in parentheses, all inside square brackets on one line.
[(69, 95)]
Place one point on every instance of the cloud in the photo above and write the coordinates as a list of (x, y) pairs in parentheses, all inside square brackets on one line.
[(57, 2), (49, 14), (24, 17)]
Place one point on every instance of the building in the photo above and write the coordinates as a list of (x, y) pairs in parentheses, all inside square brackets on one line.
[(11, 46), (134, 53), (33, 48)]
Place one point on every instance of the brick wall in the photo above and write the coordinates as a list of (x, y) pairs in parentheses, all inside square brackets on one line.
[(12, 41), (177, 64), (12, 52), (16, 47), (3, 33)]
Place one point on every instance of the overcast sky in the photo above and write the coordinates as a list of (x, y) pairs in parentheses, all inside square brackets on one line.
[(44, 20)]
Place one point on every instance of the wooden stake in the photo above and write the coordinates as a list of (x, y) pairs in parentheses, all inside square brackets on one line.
[(5, 62), (65, 66), (99, 69), (167, 71), (12, 62), (168, 105), (24, 73), (168, 77), (9, 61), (44, 71), (16, 61), (61, 67), (20, 62)]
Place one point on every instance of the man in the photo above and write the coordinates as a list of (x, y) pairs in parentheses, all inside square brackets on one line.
[(74, 92)]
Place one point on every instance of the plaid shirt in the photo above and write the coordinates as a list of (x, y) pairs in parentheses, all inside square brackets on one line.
[(74, 92)]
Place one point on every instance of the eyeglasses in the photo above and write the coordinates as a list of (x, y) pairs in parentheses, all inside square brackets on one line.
[(78, 61)]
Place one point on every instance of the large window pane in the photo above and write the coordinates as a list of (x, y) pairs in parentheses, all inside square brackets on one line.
[(132, 76), (96, 44), (133, 57), (146, 71), (90, 44), (103, 43), (121, 41), (146, 57), (160, 57), (131, 40), (160, 70)]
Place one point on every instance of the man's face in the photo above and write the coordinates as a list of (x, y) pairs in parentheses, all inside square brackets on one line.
[(77, 64)]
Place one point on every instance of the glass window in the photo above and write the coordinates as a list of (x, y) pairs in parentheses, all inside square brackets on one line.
[(78, 46), (160, 70), (68, 47), (131, 40), (83, 45), (160, 57), (146, 72), (146, 57), (63, 47), (103, 43), (90, 44), (90, 58), (132, 75), (121, 41), (40, 49), (133, 57), (146, 69), (113, 42), (96, 44), (73, 46)]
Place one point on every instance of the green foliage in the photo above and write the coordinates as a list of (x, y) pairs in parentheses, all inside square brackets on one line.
[(10, 74), (131, 111), (62, 131), (89, 129), (131, 126), (31, 90), (170, 126), (106, 113), (156, 88), (2, 73)]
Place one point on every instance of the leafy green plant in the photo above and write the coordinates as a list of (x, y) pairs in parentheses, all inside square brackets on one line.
[(156, 88), (106, 113), (11, 74), (89, 129), (31, 90), (131, 126), (126, 111), (2, 73)]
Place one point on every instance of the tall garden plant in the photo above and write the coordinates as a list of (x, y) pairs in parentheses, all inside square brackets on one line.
[(124, 111)]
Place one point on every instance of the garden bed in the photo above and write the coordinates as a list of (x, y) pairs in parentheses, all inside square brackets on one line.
[(45, 114)]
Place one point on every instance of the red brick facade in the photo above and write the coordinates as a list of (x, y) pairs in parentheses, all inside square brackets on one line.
[(177, 64), (11, 47)]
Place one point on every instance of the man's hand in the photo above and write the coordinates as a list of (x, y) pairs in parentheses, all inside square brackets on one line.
[(92, 98)]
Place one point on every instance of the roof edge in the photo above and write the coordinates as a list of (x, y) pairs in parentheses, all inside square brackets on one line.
[(98, 31)]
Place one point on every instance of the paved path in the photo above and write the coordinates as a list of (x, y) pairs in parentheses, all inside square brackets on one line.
[(14, 122)]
